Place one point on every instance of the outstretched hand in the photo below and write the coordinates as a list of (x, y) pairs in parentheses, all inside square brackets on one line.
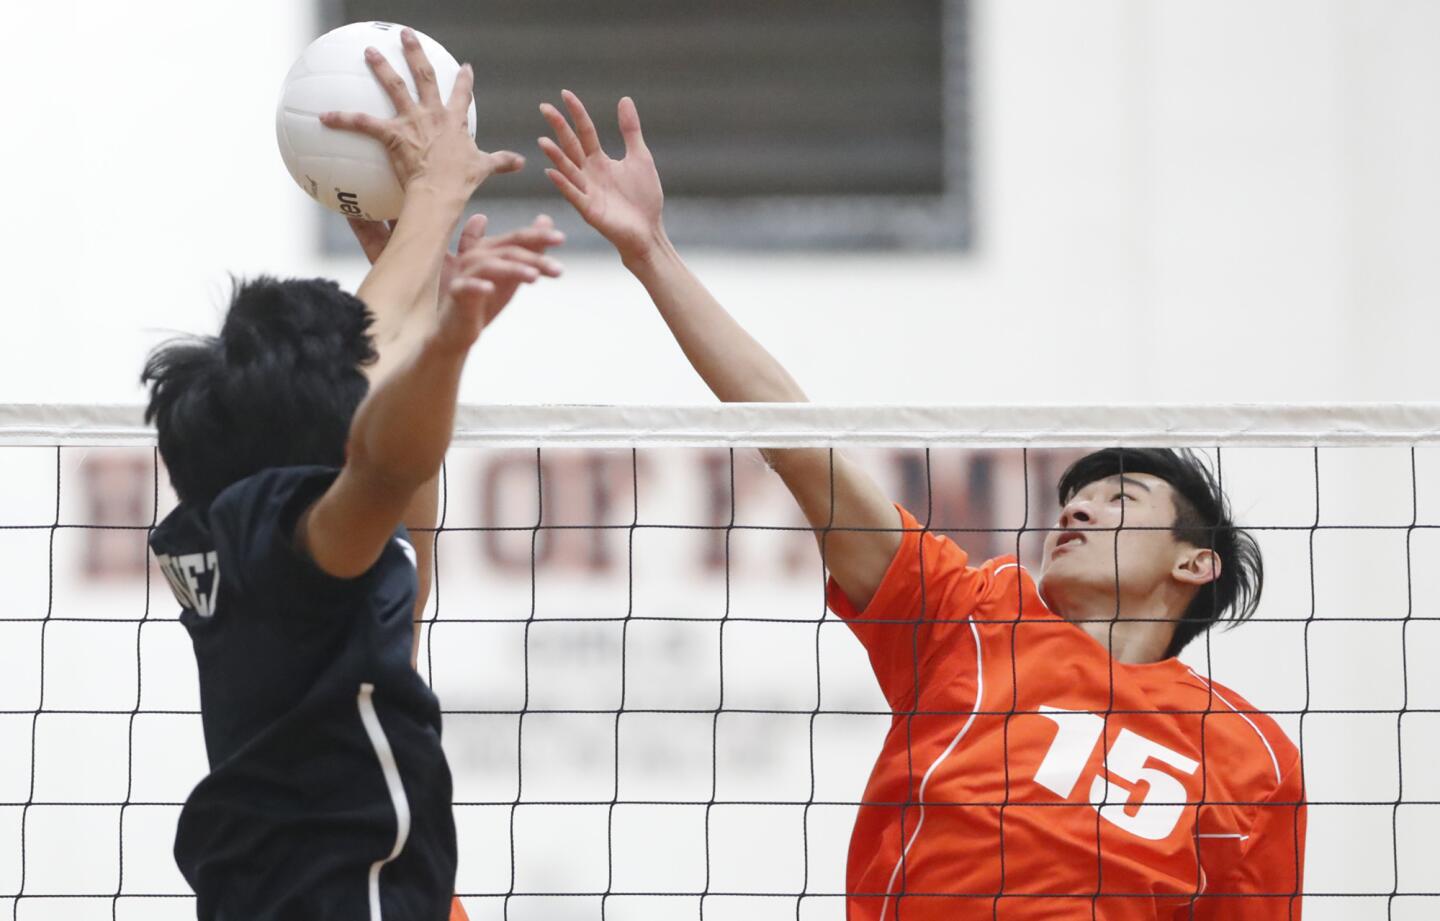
[(428, 138), (467, 308), (509, 260), (622, 199), (484, 275)]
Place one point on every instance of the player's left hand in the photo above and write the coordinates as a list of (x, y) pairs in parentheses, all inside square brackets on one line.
[(426, 139), (508, 261)]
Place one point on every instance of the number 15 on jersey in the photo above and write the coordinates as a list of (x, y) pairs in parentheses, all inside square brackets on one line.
[(1127, 768)]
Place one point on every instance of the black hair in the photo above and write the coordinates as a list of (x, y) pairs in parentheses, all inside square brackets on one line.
[(1202, 519), (278, 387)]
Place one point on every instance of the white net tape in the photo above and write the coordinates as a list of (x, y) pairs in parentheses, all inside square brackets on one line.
[(776, 425)]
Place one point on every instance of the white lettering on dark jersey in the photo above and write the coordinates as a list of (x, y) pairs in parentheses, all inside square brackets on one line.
[(187, 574)]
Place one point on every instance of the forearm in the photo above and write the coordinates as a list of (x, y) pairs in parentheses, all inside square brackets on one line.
[(401, 289), (735, 367), (849, 511), (402, 430), (397, 442)]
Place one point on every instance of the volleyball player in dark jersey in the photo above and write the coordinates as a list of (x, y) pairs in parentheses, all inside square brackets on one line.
[(329, 797)]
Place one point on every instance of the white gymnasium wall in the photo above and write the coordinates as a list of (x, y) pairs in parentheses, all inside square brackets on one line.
[(1190, 200)]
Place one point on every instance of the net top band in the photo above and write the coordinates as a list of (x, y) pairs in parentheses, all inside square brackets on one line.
[(811, 425)]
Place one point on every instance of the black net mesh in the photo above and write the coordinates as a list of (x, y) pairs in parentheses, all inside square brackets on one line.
[(649, 712)]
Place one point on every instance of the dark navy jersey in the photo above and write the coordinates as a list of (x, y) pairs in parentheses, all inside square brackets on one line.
[(328, 798)]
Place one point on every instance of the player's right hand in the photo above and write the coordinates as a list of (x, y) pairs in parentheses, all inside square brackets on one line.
[(509, 260), (428, 141), (622, 199), (479, 289), (466, 309)]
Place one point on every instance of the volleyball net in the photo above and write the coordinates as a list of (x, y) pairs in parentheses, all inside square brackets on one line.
[(648, 711)]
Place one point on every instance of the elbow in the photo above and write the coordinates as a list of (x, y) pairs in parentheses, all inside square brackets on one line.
[(345, 568), (782, 388), (386, 471)]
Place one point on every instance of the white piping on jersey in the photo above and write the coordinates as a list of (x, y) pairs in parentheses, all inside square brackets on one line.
[(979, 694), (1227, 835), (386, 756), (409, 550), (1273, 760), (1039, 593)]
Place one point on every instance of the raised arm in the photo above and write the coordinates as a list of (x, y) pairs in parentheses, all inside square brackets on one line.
[(508, 261), (853, 519), (397, 440), (439, 167)]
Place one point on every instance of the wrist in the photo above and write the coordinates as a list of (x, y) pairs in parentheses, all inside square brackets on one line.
[(439, 201), (446, 347), (649, 254)]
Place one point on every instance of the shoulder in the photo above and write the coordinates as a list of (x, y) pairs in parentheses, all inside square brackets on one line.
[(253, 521), (929, 572), (1252, 737), (267, 504), (274, 488), (924, 556), (1000, 581), (1011, 590), (1005, 577), (1007, 569), (921, 546)]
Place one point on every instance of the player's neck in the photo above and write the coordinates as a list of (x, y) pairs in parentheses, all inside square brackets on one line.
[(1140, 634), (1129, 641)]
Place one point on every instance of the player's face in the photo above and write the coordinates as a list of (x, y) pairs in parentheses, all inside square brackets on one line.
[(1114, 534)]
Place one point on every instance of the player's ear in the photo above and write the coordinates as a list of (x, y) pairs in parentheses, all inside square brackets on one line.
[(1196, 566)]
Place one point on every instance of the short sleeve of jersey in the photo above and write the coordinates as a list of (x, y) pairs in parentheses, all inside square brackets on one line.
[(921, 606), (253, 523)]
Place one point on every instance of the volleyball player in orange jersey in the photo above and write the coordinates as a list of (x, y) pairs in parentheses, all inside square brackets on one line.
[(1049, 758)]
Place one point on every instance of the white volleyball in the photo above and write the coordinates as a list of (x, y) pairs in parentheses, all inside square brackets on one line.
[(342, 170)]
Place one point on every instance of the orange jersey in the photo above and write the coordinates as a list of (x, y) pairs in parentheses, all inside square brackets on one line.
[(1028, 775)]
